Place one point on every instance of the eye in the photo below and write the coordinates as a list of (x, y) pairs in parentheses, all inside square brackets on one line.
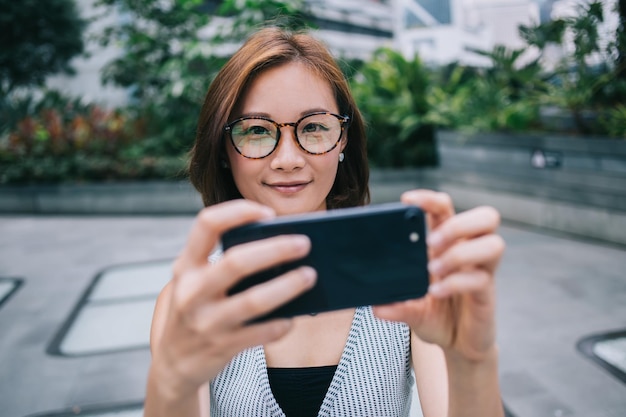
[(313, 127), (256, 131), (253, 129)]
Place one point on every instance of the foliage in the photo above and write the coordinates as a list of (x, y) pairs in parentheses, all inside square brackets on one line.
[(166, 65), (38, 38), (392, 94), (245, 16), (615, 121), (510, 95), (588, 77), (59, 138), (502, 97)]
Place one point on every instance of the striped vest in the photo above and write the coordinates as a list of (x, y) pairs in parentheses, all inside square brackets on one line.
[(373, 377)]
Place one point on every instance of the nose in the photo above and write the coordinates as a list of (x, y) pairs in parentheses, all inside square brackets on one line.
[(287, 156)]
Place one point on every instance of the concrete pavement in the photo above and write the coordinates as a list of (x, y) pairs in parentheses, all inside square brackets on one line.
[(553, 291)]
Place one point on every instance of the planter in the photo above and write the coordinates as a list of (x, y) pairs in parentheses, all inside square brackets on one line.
[(152, 197), (569, 184)]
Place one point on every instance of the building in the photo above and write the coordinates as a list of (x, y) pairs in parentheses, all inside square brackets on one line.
[(443, 31), (353, 28)]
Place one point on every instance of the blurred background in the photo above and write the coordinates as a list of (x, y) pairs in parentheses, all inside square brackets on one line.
[(519, 104)]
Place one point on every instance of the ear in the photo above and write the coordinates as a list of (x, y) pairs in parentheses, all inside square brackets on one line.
[(344, 141)]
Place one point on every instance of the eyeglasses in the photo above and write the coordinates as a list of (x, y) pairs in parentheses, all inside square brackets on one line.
[(257, 137)]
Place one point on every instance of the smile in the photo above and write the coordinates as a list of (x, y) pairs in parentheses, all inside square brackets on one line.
[(288, 188)]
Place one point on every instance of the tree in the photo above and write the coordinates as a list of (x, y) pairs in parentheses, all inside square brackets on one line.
[(579, 82), (38, 38), (621, 38)]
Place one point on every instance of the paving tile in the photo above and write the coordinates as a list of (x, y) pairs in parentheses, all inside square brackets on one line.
[(144, 279), (102, 328), (612, 351), (7, 287)]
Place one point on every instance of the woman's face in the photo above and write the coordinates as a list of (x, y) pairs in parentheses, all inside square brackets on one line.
[(289, 180)]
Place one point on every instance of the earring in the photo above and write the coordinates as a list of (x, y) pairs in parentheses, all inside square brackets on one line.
[(224, 164), (341, 157)]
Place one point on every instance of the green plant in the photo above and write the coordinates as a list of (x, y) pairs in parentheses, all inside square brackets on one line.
[(576, 84), (166, 65), (615, 121), (502, 96), (392, 93), (245, 16), (38, 38), (62, 139)]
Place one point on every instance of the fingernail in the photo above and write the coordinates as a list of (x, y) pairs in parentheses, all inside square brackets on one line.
[(436, 289), (302, 241), (435, 267), (434, 239), (309, 274)]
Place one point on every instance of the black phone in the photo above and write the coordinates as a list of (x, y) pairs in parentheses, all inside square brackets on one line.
[(363, 256)]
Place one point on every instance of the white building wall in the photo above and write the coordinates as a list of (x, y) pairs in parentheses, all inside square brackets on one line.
[(503, 17), (364, 13)]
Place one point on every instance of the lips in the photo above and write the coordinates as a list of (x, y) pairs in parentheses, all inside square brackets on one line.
[(290, 187)]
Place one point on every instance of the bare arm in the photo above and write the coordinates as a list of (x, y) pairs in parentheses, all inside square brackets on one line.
[(444, 382), (474, 386), (429, 365)]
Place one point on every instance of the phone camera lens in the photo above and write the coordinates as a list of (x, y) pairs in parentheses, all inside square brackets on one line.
[(412, 214)]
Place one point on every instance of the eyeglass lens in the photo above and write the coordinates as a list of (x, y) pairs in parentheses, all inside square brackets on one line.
[(257, 138)]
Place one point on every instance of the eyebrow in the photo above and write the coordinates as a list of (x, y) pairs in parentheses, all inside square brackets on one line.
[(302, 114)]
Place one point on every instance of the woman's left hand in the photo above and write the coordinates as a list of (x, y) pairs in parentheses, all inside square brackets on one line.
[(458, 313)]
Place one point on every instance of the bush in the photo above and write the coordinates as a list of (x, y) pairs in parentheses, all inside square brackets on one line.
[(392, 94), (60, 139)]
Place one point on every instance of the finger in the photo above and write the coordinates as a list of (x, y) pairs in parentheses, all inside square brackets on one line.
[(405, 311), (210, 223), (461, 282), (248, 258), (484, 251), (438, 206), (466, 225), (261, 299), (209, 283)]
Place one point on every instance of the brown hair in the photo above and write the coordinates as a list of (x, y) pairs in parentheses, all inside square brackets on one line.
[(271, 47)]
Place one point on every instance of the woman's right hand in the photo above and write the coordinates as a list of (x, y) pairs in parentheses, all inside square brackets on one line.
[(197, 329)]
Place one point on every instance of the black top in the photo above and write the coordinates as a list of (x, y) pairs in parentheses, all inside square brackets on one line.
[(300, 391)]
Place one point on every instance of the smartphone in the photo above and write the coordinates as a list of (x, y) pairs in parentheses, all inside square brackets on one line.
[(363, 256)]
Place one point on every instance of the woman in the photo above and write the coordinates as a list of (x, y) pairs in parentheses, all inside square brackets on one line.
[(279, 133)]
